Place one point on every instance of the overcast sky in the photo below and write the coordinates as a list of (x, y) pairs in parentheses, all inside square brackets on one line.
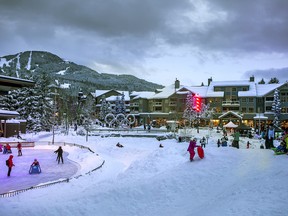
[(156, 40)]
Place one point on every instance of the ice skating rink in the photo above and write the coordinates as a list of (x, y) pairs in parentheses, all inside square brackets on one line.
[(20, 177)]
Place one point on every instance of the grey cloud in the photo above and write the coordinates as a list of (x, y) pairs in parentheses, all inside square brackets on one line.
[(250, 26), (125, 33), (281, 74)]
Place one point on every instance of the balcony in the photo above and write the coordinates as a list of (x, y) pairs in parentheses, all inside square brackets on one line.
[(134, 105), (231, 103), (157, 104)]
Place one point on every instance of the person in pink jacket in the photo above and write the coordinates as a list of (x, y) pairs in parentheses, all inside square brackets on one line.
[(191, 147)]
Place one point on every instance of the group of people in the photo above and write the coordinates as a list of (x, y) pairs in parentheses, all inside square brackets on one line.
[(7, 148), (10, 164), (283, 147)]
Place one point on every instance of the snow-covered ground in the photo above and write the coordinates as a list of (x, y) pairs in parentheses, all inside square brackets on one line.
[(143, 179)]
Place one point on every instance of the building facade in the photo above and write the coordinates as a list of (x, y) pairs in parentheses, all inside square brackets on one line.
[(245, 102)]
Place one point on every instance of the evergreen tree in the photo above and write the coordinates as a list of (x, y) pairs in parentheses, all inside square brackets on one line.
[(117, 108), (276, 108), (273, 80), (104, 110), (122, 106), (261, 81), (87, 118)]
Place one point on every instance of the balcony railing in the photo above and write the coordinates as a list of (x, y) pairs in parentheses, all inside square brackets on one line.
[(134, 104), (230, 103), (157, 104)]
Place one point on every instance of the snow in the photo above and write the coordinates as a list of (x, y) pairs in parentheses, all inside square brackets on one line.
[(62, 72), (143, 179), (28, 66)]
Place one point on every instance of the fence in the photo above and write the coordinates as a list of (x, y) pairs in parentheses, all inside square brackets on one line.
[(16, 192)]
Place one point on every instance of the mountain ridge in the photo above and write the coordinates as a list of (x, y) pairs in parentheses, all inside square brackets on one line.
[(29, 64)]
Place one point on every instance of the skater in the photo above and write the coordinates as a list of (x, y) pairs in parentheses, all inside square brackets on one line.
[(10, 164), (19, 147), (191, 147), (59, 152)]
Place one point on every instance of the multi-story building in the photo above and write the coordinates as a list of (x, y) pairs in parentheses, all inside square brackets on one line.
[(241, 101), (111, 97)]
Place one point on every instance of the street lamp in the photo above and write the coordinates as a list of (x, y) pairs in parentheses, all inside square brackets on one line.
[(54, 116), (259, 122)]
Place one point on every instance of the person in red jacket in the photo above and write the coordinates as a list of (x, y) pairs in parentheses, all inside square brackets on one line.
[(191, 147), (8, 148), (19, 147), (10, 165)]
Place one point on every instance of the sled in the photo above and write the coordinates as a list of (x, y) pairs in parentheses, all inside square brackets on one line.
[(277, 152), (200, 152), (35, 169)]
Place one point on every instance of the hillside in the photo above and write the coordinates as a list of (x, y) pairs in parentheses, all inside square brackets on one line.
[(29, 64)]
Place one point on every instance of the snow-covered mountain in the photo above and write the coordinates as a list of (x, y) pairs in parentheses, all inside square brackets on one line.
[(30, 63)]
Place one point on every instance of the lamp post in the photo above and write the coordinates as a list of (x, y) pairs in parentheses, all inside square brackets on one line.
[(66, 125), (54, 116), (259, 122)]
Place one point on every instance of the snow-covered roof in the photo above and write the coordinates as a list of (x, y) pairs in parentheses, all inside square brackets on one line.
[(263, 89), (142, 94), (98, 93), (260, 116), (252, 91), (114, 97), (6, 114), (165, 92), (230, 112), (200, 90)]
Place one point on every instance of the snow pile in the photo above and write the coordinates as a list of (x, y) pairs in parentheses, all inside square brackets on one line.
[(143, 179)]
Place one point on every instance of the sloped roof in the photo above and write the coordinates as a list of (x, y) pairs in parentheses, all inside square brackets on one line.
[(142, 94), (8, 83), (5, 114), (201, 90), (264, 89), (114, 97), (230, 113), (165, 92)]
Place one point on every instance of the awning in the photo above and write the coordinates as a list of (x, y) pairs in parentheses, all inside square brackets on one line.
[(230, 125)]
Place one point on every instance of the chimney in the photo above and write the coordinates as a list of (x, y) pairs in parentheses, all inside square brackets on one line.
[(209, 81), (252, 79), (177, 84)]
